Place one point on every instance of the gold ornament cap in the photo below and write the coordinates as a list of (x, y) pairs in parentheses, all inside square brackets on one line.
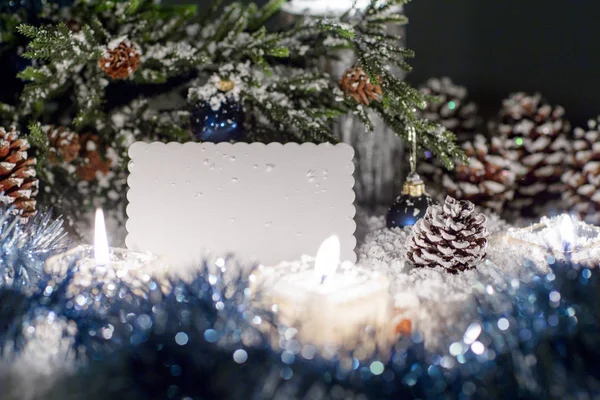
[(225, 85), (413, 186)]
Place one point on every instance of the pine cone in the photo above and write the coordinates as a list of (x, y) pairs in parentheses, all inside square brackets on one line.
[(64, 144), (453, 110), (537, 145), (356, 83), (92, 159), (583, 178), (455, 113), (452, 236), (120, 60), (487, 180), (18, 181)]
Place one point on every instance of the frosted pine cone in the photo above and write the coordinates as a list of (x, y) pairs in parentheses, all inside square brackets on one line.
[(487, 180), (93, 162), (537, 145), (120, 59), (19, 184), (452, 236), (64, 144), (453, 111), (356, 83), (583, 178)]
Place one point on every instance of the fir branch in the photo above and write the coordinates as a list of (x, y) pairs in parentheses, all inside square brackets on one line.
[(58, 43), (39, 140), (90, 97)]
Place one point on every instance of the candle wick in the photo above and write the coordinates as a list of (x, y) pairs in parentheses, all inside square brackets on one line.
[(323, 279)]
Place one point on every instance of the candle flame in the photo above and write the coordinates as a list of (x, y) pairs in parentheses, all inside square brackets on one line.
[(100, 240), (567, 232), (328, 258)]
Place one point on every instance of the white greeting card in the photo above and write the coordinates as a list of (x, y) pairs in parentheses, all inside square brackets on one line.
[(268, 203)]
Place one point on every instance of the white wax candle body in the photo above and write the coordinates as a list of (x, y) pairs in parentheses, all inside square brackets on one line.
[(333, 312), (131, 267), (561, 236)]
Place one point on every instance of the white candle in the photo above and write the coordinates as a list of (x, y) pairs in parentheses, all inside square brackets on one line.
[(102, 264), (561, 236), (329, 307)]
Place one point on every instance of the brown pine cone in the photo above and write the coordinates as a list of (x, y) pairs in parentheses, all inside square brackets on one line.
[(487, 179), (64, 144), (93, 162), (120, 60), (536, 142), (452, 236), (583, 178), (356, 83), (18, 181)]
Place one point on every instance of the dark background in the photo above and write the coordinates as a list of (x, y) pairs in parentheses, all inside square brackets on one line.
[(495, 47)]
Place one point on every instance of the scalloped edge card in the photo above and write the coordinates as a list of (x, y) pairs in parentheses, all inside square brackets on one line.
[(264, 203)]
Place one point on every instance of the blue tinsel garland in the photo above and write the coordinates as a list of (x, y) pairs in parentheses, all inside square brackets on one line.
[(25, 246), (533, 338)]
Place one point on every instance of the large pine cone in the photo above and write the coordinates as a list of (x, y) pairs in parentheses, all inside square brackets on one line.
[(18, 181), (120, 60), (452, 236), (487, 180), (537, 144), (583, 178), (356, 83), (453, 110), (64, 144)]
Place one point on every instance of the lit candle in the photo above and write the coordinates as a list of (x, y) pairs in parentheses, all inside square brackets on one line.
[(103, 264), (563, 237), (329, 307)]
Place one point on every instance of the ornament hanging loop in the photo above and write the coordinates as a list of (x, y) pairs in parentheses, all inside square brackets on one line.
[(412, 137)]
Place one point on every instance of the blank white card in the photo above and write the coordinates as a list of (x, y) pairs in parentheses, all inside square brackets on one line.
[(266, 203)]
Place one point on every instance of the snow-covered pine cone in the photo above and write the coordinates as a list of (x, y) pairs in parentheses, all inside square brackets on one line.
[(487, 180), (452, 236), (536, 142), (120, 59), (453, 111), (18, 181), (356, 83), (583, 178), (64, 144)]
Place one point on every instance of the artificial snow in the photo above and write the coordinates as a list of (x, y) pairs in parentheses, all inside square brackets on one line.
[(434, 300)]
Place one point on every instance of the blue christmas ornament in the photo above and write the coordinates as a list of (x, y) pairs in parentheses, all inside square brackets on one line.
[(222, 125), (411, 205)]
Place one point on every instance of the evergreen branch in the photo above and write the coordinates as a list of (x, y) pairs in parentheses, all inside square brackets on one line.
[(276, 76), (300, 124), (39, 141), (90, 97), (58, 43)]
